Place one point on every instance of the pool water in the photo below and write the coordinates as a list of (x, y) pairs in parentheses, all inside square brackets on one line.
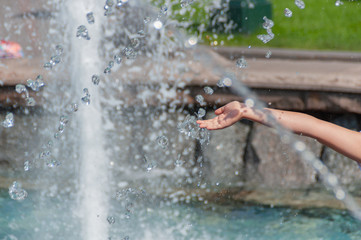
[(55, 218)]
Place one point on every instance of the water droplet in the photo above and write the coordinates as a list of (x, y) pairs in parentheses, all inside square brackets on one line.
[(190, 128), (208, 90), (200, 99), (30, 101), (45, 154), (37, 84), (163, 10), (268, 23), (57, 135), (220, 83), (299, 146), (338, 3), (270, 33), (149, 165), (95, 79), (26, 166), (332, 179), (340, 194), (185, 3), (201, 113), (300, 4), (135, 42), (82, 32), (265, 38), (108, 11), (74, 107), (55, 60), (61, 128), (204, 136), (19, 88), (162, 141), (64, 120), (111, 64), (59, 50), (288, 12), (224, 82), (50, 144), (86, 98), (30, 83), (147, 20), (227, 82), (158, 24), (111, 220), (178, 162), (188, 125), (118, 59), (192, 41), (119, 3), (109, 3), (48, 66), (16, 192), (129, 53), (268, 54), (90, 18), (9, 121), (249, 102), (241, 62), (52, 162), (107, 70)]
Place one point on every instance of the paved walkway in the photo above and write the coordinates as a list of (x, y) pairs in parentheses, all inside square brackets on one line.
[(280, 53), (285, 69), (306, 81), (300, 70)]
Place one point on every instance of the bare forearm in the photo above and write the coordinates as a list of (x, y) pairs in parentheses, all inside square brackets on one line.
[(342, 140)]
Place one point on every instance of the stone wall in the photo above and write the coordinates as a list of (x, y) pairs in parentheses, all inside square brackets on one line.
[(246, 154)]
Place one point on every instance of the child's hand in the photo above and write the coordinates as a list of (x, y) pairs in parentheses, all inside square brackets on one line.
[(227, 116)]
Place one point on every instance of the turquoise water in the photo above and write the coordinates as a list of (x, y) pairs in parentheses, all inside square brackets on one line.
[(147, 218)]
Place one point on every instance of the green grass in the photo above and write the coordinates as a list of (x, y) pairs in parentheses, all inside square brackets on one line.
[(321, 25)]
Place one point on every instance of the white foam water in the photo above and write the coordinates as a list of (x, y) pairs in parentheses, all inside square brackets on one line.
[(85, 61)]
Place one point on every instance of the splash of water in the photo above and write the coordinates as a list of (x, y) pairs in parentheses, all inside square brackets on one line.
[(327, 177), (93, 202)]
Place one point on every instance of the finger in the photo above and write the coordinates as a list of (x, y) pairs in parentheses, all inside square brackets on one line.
[(201, 123), (219, 110), (214, 127), (206, 123)]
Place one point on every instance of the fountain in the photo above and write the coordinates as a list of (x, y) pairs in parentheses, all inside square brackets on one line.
[(111, 150), (93, 183)]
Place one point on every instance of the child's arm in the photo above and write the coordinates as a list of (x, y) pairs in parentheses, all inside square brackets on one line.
[(342, 140)]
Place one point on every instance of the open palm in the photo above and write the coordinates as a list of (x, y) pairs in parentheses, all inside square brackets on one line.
[(226, 116)]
